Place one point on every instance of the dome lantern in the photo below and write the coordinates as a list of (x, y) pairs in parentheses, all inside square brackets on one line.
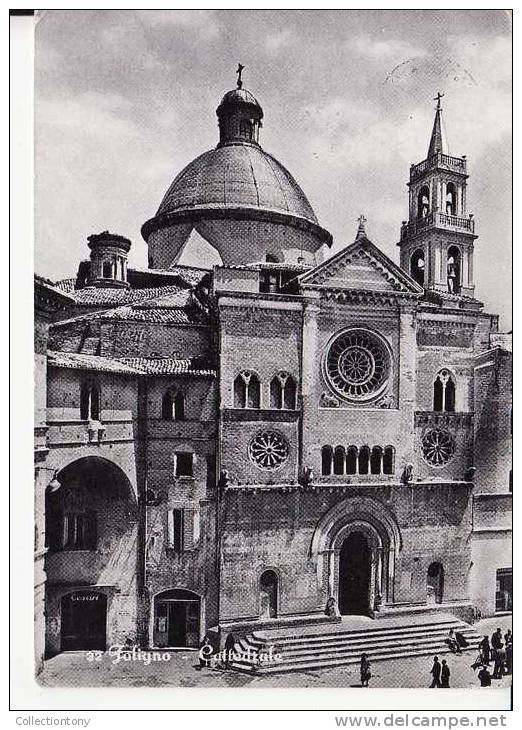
[(239, 114)]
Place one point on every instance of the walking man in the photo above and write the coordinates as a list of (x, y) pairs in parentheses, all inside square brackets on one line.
[(445, 674), (435, 672)]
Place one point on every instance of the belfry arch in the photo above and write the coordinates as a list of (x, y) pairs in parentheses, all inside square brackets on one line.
[(377, 532)]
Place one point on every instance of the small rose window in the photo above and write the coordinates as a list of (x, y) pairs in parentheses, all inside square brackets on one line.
[(268, 450), (438, 447)]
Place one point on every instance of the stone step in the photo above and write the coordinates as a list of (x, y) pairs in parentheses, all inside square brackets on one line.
[(359, 642), (369, 630), (344, 644)]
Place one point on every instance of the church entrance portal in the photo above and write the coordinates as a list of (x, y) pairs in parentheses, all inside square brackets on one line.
[(354, 575), (84, 621)]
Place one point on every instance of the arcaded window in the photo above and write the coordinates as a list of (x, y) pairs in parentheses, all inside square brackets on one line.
[(451, 199), (376, 460), (423, 202), (339, 460), (351, 459), (107, 270), (444, 392), (90, 402), (247, 390), (454, 269), (173, 406), (364, 459), (326, 460), (388, 460), (418, 266), (283, 392)]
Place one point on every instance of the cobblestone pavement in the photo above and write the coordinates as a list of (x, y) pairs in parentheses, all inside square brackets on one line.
[(182, 670)]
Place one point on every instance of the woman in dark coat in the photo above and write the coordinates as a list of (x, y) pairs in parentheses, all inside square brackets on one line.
[(230, 643), (365, 670)]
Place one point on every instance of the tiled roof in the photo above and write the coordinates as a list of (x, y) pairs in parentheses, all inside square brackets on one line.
[(128, 365), (79, 361), (191, 274), (166, 366), (98, 296)]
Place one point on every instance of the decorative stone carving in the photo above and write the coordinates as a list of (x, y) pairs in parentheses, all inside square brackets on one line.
[(407, 474), (329, 401)]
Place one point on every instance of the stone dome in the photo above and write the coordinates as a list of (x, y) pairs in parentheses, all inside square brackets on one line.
[(236, 175), (234, 191)]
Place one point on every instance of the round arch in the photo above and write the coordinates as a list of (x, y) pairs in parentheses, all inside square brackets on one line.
[(374, 520), (176, 618), (97, 466)]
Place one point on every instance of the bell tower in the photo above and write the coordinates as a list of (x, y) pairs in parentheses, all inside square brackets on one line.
[(437, 239)]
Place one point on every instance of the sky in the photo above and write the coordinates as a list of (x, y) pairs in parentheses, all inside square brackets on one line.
[(124, 99)]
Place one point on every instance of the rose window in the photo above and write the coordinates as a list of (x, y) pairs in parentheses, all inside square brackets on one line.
[(358, 365), (268, 450), (438, 447)]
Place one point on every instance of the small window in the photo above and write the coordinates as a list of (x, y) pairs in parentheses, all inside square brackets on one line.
[(454, 269), (247, 390), (283, 392), (444, 392), (173, 406), (183, 464), (90, 402), (73, 531), (107, 270), (504, 591)]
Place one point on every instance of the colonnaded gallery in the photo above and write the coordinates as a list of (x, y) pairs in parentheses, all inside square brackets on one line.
[(224, 449)]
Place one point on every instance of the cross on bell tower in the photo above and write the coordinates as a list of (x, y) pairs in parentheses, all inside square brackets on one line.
[(438, 238)]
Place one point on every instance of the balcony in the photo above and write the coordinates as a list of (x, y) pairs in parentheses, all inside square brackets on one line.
[(436, 219), (438, 161)]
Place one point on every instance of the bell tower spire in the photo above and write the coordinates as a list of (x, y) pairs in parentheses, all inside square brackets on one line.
[(438, 238), (437, 141)]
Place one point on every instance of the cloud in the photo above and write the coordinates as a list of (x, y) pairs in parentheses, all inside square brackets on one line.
[(205, 22), (384, 49), (277, 41)]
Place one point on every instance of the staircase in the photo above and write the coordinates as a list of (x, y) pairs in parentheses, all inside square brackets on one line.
[(305, 648)]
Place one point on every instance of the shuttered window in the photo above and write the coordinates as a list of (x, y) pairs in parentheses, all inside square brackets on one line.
[(182, 529)]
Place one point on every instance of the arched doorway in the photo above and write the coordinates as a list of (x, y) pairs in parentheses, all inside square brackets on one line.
[(268, 594), (354, 575), (83, 621), (435, 587), (176, 619)]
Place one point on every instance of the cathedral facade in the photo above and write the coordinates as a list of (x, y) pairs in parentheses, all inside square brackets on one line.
[(222, 448)]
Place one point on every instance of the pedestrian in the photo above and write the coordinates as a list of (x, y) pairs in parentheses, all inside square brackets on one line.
[(366, 673), (435, 672), (500, 664), (445, 674), (230, 643), (496, 642), (508, 637), (485, 650), (452, 642), (484, 677), (509, 658)]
